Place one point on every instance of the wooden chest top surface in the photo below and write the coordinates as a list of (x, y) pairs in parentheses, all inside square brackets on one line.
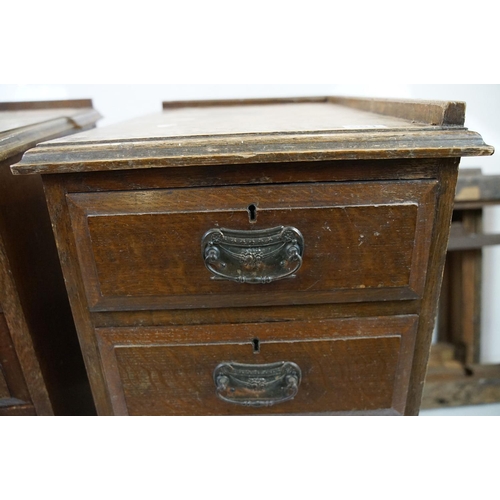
[(256, 131), (24, 124), (258, 119)]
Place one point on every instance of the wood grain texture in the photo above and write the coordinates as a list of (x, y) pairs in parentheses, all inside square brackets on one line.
[(450, 387), (25, 124), (30, 383), (76, 293), (122, 198), (268, 132), (465, 269), (121, 155), (431, 112), (42, 363), (240, 102), (4, 389), (435, 269), (264, 314), (46, 105), (38, 306), (258, 174), (6, 350), (135, 247), (347, 365), (14, 384), (56, 187)]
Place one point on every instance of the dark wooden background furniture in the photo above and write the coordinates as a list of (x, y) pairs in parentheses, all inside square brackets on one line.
[(277, 256), (456, 376), (41, 366)]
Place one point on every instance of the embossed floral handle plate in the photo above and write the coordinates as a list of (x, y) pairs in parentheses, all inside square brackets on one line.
[(257, 256), (257, 385)]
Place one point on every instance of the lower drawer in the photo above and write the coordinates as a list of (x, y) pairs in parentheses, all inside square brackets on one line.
[(354, 365)]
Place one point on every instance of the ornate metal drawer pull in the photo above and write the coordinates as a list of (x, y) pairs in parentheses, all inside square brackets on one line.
[(258, 256), (257, 385)]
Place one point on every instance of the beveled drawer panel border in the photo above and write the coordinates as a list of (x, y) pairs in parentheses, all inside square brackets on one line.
[(421, 193), (404, 327)]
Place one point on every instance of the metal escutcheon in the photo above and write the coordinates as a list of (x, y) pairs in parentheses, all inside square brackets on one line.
[(257, 385), (257, 256)]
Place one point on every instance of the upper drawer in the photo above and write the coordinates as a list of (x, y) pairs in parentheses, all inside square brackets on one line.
[(358, 241)]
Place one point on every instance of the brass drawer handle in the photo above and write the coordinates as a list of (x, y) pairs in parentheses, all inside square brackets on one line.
[(258, 256), (257, 385)]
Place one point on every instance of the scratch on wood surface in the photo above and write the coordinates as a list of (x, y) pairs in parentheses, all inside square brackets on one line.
[(314, 284)]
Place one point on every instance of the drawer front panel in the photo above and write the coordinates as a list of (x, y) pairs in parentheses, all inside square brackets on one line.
[(361, 241), (346, 365)]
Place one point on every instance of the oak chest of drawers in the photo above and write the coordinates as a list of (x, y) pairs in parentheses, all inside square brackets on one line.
[(259, 256), (41, 365)]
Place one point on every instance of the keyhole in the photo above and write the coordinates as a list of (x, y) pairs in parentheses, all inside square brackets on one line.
[(256, 346), (252, 212)]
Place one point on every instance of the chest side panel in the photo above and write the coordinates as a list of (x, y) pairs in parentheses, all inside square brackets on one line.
[(14, 395)]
